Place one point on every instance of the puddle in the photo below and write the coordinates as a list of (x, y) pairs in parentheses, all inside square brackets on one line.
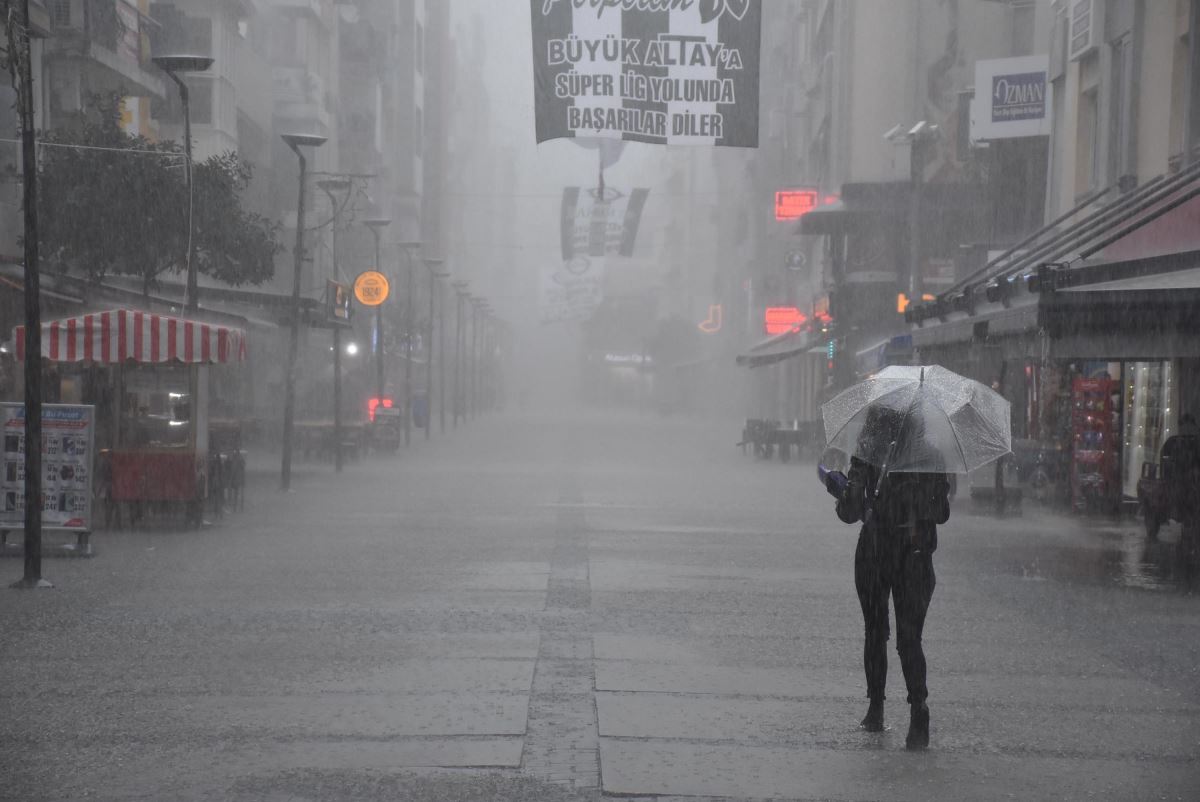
[(1124, 559)]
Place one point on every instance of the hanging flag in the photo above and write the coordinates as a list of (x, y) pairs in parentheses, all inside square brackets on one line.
[(572, 290), (667, 72), (598, 226)]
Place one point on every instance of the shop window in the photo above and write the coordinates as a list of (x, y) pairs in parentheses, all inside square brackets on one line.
[(1151, 416), (156, 408)]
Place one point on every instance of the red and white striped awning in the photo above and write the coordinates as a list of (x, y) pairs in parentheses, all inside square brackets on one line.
[(124, 334)]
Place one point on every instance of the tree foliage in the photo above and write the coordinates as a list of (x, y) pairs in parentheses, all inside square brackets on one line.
[(116, 204)]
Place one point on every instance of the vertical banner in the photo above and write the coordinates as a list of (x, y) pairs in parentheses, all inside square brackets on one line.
[(68, 439), (599, 226), (666, 72), (573, 290)]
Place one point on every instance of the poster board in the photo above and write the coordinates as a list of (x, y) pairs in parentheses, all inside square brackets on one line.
[(664, 72), (68, 448)]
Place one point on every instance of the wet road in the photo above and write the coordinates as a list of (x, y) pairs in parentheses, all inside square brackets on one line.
[(555, 609)]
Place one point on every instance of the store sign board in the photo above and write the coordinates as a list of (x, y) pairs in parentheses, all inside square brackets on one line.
[(338, 297), (1012, 98), (782, 319), (68, 443), (792, 204), (371, 288)]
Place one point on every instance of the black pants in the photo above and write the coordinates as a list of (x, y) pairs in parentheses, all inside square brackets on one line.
[(888, 563)]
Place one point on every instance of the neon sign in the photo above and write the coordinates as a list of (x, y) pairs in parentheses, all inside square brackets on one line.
[(713, 324), (782, 319), (792, 204), (373, 404)]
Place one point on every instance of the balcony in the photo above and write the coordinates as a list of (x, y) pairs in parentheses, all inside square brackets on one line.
[(300, 95), (110, 34)]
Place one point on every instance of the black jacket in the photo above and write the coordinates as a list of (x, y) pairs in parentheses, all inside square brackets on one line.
[(906, 501)]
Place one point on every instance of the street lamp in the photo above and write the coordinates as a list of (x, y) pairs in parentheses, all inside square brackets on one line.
[(434, 291), (408, 337), (172, 66), (377, 225), (460, 292), (329, 186), (295, 142)]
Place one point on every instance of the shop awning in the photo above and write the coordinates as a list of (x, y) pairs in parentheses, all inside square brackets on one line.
[(124, 334), (776, 349), (1157, 282)]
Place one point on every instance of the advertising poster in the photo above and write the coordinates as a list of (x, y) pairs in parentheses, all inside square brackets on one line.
[(666, 72), (573, 290), (68, 439), (595, 226)]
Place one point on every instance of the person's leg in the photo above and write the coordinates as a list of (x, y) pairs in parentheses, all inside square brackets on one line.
[(912, 592), (870, 582)]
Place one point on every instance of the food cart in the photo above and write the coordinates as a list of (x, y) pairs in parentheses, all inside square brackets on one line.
[(157, 454)]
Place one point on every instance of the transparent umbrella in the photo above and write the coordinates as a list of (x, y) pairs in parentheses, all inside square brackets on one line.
[(919, 419)]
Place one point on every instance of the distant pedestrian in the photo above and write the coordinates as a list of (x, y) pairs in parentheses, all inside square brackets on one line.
[(894, 558)]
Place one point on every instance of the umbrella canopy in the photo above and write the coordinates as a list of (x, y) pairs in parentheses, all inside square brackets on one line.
[(123, 334), (919, 419)]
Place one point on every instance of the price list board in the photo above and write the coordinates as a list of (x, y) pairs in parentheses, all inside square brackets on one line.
[(68, 445)]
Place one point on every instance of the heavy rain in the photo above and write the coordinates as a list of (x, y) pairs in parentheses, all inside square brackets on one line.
[(578, 399)]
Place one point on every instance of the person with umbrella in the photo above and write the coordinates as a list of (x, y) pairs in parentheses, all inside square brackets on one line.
[(904, 431)]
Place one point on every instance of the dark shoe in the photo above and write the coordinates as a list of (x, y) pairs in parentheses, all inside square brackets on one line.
[(918, 727), (873, 721)]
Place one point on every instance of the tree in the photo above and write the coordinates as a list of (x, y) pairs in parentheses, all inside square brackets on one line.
[(116, 204)]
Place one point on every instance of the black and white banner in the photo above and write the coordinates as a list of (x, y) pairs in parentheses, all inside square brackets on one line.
[(572, 290), (597, 226), (667, 72)]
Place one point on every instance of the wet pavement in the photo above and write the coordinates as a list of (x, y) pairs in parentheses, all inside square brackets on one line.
[(565, 607)]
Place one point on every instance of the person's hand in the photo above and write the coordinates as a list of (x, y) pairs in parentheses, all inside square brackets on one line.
[(835, 483)]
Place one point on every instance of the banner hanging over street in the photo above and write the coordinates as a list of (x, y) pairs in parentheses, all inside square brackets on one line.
[(666, 72), (572, 290), (598, 226)]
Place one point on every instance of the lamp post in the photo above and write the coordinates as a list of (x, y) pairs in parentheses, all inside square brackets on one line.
[(408, 338), (377, 225), (476, 306), (172, 66), (329, 186), (295, 142), (434, 274), (460, 296)]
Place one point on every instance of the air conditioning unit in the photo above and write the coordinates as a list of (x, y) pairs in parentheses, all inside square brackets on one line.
[(1086, 27)]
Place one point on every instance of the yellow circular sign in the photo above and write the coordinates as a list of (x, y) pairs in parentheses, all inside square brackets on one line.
[(371, 288)]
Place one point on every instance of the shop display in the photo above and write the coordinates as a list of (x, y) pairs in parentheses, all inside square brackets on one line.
[(1095, 421), (68, 440)]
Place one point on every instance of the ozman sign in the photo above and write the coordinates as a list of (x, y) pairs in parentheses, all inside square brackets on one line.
[(1020, 96), (1012, 98), (668, 72)]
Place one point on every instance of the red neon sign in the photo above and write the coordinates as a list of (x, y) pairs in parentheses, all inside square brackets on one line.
[(792, 204), (782, 319), (373, 403)]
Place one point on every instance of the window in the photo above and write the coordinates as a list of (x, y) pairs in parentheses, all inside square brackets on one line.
[(1087, 154), (418, 130), (60, 13), (1121, 152), (1024, 14)]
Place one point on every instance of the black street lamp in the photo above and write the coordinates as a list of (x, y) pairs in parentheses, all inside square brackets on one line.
[(434, 291), (172, 66), (461, 295), (330, 186), (295, 142), (377, 225), (408, 336)]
